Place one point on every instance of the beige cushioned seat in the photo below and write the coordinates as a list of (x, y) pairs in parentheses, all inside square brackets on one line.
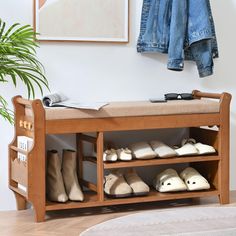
[(137, 108)]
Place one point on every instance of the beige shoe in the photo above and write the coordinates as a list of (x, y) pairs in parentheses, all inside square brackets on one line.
[(191, 147), (162, 150), (115, 185), (110, 155), (70, 176), (142, 150), (136, 183), (54, 181), (204, 148), (194, 180), (169, 181), (124, 154)]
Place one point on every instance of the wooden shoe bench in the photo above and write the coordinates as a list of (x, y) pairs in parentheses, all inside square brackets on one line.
[(35, 121)]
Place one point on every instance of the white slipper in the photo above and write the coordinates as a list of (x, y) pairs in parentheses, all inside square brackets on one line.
[(204, 148), (194, 180), (188, 140), (142, 150), (110, 155), (162, 150), (169, 181), (201, 148), (187, 150), (124, 154)]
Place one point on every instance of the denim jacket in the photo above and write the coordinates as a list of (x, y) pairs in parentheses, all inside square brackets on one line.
[(182, 28)]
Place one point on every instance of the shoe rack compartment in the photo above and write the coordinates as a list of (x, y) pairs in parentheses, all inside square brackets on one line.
[(209, 170), (210, 173), (205, 135)]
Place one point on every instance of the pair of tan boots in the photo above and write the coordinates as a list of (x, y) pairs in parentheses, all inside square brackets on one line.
[(62, 181)]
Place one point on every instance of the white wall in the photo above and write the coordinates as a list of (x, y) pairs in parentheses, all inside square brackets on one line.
[(116, 72)]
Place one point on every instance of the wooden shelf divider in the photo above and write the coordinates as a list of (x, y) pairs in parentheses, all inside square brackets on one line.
[(89, 185), (90, 159)]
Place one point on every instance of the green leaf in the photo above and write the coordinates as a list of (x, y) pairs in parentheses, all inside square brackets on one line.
[(5, 112), (18, 61), (4, 37), (2, 28)]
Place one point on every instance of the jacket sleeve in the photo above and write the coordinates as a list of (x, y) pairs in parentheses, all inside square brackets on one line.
[(178, 25), (201, 35)]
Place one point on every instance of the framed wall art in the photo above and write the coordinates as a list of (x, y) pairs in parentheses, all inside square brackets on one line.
[(82, 20)]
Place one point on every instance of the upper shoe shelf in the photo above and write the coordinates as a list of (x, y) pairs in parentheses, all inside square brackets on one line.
[(156, 162)]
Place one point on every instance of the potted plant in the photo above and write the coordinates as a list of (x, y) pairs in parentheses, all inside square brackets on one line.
[(18, 61)]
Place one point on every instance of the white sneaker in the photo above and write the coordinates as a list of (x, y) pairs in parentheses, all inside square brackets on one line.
[(110, 155), (124, 154)]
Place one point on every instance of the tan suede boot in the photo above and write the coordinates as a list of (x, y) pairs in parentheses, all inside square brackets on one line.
[(55, 186), (70, 176)]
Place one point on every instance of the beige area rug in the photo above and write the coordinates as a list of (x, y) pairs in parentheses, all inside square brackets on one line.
[(194, 221)]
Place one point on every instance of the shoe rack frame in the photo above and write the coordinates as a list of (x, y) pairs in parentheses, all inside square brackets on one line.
[(32, 173)]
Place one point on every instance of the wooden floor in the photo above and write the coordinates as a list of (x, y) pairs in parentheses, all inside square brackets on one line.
[(73, 222)]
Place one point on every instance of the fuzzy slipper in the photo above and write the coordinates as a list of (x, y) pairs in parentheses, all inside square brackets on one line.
[(162, 150), (115, 185), (194, 180), (124, 154), (142, 150), (110, 155), (169, 181), (136, 183)]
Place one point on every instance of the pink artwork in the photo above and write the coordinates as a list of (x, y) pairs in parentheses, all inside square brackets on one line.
[(41, 2)]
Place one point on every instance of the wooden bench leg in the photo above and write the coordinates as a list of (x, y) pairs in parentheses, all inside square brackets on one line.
[(20, 202), (224, 198), (224, 147), (39, 211)]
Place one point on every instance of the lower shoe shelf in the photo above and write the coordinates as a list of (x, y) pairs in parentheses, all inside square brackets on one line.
[(91, 199)]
